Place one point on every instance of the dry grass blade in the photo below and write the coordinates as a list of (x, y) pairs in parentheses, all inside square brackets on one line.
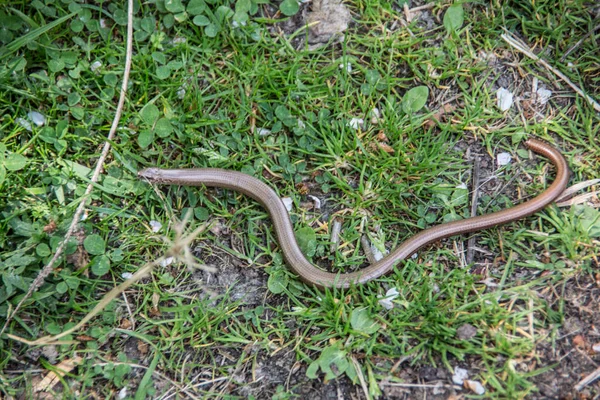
[(522, 47), (571, 190)]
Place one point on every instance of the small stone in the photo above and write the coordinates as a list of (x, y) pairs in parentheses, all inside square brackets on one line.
[(460, 374), (466, 332)]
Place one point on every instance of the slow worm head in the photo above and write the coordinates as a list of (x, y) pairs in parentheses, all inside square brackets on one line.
[(258, 190)]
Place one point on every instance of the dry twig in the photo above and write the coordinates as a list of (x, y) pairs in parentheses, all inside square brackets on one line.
[(39, 280)]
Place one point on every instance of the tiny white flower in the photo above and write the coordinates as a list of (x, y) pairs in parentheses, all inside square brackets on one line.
[(126, 275), (123, 393), (103, 23), (36, 118), (95, 65), (505, 99), (180, 93), (316, 201), (347, 66), (375, 115), (156, 226), (167, 261), (179, 39), (543, 95), (263, 132), (24, 123), (386, 301), (503, 159), (460, 374), (462, 186), (287, 202), (355, 123), (301, 124)]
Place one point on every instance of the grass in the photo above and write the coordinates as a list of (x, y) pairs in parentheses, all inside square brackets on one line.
[(200, 101)]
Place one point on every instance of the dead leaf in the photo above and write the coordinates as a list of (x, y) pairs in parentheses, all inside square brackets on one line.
[(53, 377), (579, 341), (327, 20), (439, 115)]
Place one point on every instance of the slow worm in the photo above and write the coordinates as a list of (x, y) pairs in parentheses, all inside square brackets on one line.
[(310, 274)]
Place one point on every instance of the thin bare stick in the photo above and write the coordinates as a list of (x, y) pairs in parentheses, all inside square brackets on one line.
[(474, 201), (523, 48), (587, 380), (39, 280), (576, 45)]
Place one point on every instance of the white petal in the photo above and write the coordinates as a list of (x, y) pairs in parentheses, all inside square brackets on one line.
[(316, 201), (167, 261), (263, 131), (126, 275), (95, 65), (287, 202), (505, 99), (503, 159), (543, 95), (460, 374), (155, 225), (24, 123), (386, 301), (355, 123), (36, 118)]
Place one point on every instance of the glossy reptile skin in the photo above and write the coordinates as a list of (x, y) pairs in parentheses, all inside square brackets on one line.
[(310, 274)]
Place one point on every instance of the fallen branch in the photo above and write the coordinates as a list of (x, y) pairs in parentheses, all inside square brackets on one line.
[(39, 280)]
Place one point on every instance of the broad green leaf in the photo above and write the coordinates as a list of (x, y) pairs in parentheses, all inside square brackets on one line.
[(312, 370), (174, 6), (335, 356), (454, 18), (62, 288), (196, 7), (42, 250), (289, 7), (149, 114), (201, 20), (211, 30), (94, 244), (201, 213), (73, 99), (415, 99), (163, 128), (100, 265), (277, 282), (307, 240), (146, 138), (163, 72), (361, 321), (243, 6), (15, 162)]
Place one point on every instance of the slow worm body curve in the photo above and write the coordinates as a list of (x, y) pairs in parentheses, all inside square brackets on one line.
[(256, 189)]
